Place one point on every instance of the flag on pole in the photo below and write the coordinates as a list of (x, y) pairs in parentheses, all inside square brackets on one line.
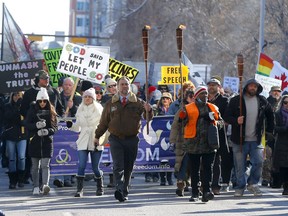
[(15, 46), (193, 76), (268, 67)]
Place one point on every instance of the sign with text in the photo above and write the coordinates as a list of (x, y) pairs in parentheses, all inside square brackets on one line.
[(83, 62), (18, 76), (267, 83), (171, 75), (231, 83), (51, 57), (153, 152), (118, 69)]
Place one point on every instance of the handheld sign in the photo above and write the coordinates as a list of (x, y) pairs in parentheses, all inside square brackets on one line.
[(82, 62)]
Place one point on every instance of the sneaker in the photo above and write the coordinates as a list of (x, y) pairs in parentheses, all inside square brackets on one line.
[(224, 188), (207, 196), (216, 191), (148, 179), (238, 192), (36, 191), (45, 189), (254, 189), (194, 198), (58, 183), (265, 183), (155, 179)]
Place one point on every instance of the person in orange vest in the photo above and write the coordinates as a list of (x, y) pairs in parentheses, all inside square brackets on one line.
[(199, 115)]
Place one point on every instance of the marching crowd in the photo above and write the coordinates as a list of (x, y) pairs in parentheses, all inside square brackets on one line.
[(217, 135)]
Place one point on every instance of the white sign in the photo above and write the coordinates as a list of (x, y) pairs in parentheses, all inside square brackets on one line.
[(267, 83), (231, 83), (86, 63)]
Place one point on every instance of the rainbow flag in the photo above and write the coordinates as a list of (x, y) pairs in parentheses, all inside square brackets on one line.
[(265, 65)]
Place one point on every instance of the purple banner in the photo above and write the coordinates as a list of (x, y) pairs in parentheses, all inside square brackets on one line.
[(153, 154)]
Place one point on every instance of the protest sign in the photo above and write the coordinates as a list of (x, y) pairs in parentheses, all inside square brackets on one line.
[(18, 76), (267, 83), (118, 69), (82, 62), (231, 83), (171, 75)]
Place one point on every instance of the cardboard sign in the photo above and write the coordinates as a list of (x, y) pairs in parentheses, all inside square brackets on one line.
[(267, 83), (231, 83), (18, 76), (82, 62), (118, 69), (171, 75)]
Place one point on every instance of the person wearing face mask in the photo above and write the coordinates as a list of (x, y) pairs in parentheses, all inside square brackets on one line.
[(199, 115)]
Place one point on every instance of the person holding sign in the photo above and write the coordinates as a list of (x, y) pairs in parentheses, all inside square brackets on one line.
[(122, 118)]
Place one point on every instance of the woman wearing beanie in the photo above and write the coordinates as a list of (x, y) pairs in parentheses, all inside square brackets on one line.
[(41, 122), (87, 118)]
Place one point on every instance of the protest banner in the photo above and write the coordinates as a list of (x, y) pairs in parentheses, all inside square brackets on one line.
[(84, 63), (153, 150), (18, 76), (171, 75)]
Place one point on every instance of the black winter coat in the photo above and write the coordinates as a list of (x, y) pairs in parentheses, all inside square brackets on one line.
[(280, 157), (13, 124), (40, 147), (233, 112)]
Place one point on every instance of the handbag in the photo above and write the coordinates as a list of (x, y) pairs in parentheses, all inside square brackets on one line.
[(213, 136)]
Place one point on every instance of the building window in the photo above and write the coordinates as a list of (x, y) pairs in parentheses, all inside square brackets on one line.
[(82, 6)]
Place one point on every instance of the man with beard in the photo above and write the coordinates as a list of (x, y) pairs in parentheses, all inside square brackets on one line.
[(122, 118), (255, 109)]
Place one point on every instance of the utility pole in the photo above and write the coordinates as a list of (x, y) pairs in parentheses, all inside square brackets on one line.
[(261, 27)]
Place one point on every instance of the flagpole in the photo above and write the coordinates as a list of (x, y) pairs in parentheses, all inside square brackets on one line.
[(2, 42)]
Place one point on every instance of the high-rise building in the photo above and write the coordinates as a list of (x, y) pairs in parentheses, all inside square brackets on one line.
[(96, 19)]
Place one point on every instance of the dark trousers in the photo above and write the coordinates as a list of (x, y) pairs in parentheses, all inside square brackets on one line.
[(124, 153), (222, 167), (206, 175)]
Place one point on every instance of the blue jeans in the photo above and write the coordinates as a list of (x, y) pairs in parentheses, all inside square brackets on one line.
[(95, 160), (255, 152), (16, 152), (183, 169)]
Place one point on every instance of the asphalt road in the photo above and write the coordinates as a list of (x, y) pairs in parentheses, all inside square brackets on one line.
[(144, 199)]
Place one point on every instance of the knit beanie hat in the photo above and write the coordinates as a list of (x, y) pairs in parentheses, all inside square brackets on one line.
[(42, 94), (199, 90), (151, 89), (109, 81), (90, 92)]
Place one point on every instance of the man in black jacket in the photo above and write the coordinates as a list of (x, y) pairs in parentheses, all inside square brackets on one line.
[(255, 109), (223, 162)]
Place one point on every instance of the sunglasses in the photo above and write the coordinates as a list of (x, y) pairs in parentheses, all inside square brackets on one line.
[(42, 101), (110, 86), (285, 102), (99, 92)]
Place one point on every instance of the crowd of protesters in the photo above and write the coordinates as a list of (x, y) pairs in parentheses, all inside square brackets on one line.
[(239, 161)]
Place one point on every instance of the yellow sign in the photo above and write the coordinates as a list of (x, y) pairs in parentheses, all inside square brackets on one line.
[(171, 75), (35, 38), (78, 40), (118, 69)]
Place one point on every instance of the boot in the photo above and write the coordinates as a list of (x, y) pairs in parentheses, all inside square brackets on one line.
[(162, 178), (180, 187), (100, 186), (79, 192), (111, 181), (285, 186), (21, 176), (12, 180)]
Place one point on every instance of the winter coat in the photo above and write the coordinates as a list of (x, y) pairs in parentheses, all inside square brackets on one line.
[(40, 147), (87, 120), (77, 99), (280, 156), (14, 122), (122, 121), (232, 113)]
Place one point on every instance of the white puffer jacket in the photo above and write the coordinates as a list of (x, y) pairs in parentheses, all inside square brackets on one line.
[(87, 120)]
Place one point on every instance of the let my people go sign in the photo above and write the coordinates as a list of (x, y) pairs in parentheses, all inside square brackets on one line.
[(83, 62)]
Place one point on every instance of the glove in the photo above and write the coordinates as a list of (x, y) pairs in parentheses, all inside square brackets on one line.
[(41, 124), (42, 132), (69, 124), (172, 147)]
